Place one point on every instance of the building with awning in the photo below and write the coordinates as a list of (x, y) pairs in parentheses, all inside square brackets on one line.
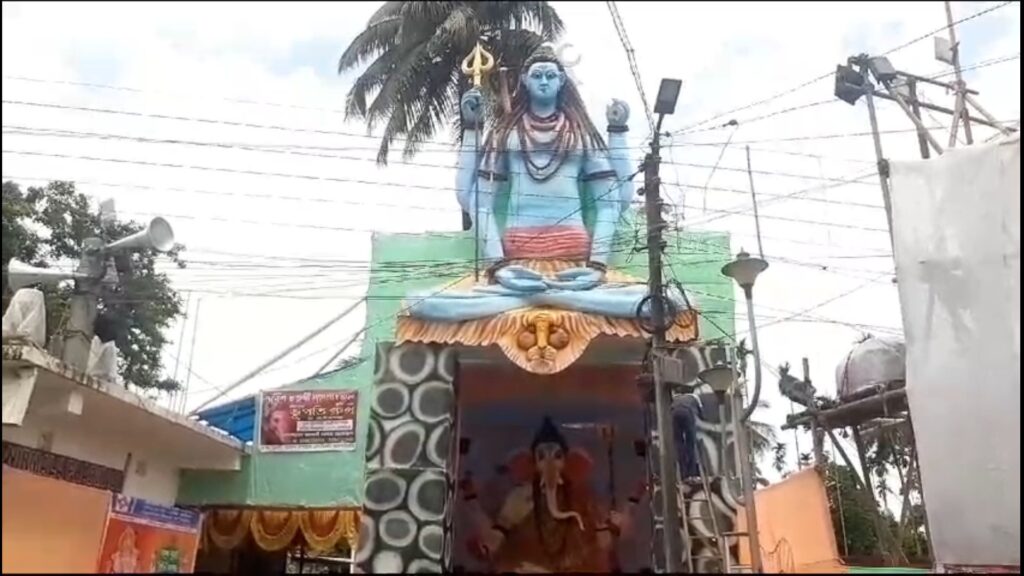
[(279, 505)]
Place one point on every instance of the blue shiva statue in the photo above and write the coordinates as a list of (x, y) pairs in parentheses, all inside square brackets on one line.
[(525, 186)]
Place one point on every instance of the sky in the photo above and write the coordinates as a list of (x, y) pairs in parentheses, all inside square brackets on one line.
[(227, 120)]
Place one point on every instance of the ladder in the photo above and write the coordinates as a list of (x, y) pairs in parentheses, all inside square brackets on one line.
[(720, 540)]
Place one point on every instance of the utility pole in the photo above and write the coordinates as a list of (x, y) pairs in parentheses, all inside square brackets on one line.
[(960, 107), (817, 436), (84, 305), (666, 439), (742, 436), (665, 103), (881, 163)]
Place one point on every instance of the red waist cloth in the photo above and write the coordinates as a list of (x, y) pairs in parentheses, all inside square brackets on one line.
[(564, 242)]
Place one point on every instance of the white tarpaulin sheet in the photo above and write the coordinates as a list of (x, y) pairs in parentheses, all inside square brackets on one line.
[(956, 225)]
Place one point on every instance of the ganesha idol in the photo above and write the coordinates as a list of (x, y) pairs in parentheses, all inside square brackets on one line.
[(546, 194), (548, 522)]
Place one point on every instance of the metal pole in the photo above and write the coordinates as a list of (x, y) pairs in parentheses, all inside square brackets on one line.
[(179, 397), (882, 163), (279, 356), (895, 96), (868, 498), (993, 121), (748, 295), (84, 303), (191, 356), (753, 198), (666, 440), (960, 107), (746, 470), (915, 107)]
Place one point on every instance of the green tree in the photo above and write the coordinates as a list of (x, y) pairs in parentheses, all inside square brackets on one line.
[(46, 226), (892, 450), (413, 82), (851, 519)]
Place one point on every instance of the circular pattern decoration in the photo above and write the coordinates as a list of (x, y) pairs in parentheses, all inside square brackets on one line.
[(438, 445), (411, 363), (424, 567), (380, 361), (404, 445), (449, 547), (388, 562), (427, 496), (373, 436), (397, 528), (446, 363), (431, 541), (384, 490), (433, 401), (391, 399), (367, 539)]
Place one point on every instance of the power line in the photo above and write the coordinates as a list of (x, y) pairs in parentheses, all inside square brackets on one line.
[(830, 73), (723, 212), (418, 264), (789, 110), (383, 183), (620, 29), (50, 132)]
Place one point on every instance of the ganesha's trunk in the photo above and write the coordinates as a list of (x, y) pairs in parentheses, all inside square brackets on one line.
[(551, 496)]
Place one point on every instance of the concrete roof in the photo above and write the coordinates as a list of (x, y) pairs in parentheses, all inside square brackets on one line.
[(117, 410)]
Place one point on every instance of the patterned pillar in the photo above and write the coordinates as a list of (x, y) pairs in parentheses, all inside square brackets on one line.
[(715, 440), (407, 506)]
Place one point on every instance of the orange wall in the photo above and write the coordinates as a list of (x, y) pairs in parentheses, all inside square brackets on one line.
[(50, 526), (795, 527)]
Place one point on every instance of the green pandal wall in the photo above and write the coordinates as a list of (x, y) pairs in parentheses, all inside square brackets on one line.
[(402, 263)]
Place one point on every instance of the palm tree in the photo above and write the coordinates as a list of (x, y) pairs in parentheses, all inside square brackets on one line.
[(779, 457), (762, 439), (415, 49)]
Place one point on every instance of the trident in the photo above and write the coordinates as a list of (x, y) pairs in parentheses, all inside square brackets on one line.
[(477, 63)]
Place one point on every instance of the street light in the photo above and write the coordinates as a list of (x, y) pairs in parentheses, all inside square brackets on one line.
[(668, 95), (718, 377), (744, 270)]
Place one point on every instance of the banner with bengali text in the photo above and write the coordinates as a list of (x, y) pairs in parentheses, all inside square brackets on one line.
[(307, 420)]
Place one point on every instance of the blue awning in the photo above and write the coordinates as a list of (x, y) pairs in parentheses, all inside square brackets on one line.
[(237, 418)]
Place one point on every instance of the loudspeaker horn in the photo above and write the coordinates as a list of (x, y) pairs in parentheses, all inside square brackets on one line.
[(158, 236), (20, 275)]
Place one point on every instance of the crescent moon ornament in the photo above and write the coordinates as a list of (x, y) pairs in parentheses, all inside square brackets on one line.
[(477, 64)]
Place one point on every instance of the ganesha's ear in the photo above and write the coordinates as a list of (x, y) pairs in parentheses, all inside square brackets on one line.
[(578, 465), (520, 466)]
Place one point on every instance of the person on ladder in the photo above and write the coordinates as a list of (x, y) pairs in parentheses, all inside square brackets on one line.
[(686, 409)]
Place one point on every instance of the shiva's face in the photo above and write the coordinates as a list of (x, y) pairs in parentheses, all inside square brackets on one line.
[(543, 81)]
